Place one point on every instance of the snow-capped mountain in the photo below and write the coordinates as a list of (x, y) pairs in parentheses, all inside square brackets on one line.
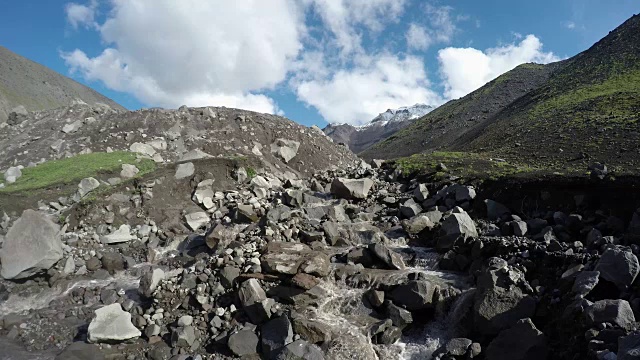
[(359, 138), (401, 114)]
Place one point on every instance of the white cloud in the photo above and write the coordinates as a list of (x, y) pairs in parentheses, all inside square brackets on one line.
[(170, 53), (570, 25), (417, 37), (466, 69), (357, 95), (438, 27), (81, 15)]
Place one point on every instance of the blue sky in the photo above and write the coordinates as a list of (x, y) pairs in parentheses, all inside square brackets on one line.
[(312, 60)]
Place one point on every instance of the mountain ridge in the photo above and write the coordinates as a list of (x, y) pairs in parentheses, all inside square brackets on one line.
[(26, 83)]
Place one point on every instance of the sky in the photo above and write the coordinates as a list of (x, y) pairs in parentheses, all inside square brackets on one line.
[(313, 61)]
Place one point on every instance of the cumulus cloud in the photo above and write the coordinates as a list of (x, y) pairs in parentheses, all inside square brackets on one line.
[(357, 95), (81, 15), (466, 69), (170, 53), (417, 37)]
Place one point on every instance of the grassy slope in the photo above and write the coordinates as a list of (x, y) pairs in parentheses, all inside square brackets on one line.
[(590, 107), (443, 126), (72, 170)]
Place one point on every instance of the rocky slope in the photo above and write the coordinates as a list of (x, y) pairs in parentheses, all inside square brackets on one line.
[(584, 108), (26, 85), (359, 138), (352, 263)]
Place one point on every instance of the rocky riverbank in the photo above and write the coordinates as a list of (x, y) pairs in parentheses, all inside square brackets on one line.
[(363, 263)]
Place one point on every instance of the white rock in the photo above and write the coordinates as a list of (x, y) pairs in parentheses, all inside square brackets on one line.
[(197, 220), (73, 127), (129, 171), (12, 174), (195, 155), (87, 185), (143, 149), (111, 323), (123, 234), (184, 170)]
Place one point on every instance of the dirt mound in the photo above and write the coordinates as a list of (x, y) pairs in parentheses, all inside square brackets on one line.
[(170, 136), (35, 87)]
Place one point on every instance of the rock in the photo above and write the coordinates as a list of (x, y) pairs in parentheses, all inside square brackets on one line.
[(457, 346), (240, 175), (275, 334), (415, 295), (522, 341), (219, 237), (184, 170), (351, 188), (618, 266), (495, 210), (629, 347), (251, 297), (72, 127), (519, 228), (455, 226), (343, 234), (123, 234), (149, 282), (410, 209), (617, 312), (421, 193), (598, 171), (144, 149), (390, 258), (299, 350), (129, 171), (87, 185), (289, 258), (244, 342), (418, 223), (69, 266), (305, 281), (400, 317), (197, 220), (498, 302), (183, 337), (113, 262), (111, 323), (195, 154), (585, 282), (285, 149), (228, 274), (32, 245), (12, 174)]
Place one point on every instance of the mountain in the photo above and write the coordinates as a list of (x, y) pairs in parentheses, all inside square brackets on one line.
[(584, 108), (359, 138), (29, 84)]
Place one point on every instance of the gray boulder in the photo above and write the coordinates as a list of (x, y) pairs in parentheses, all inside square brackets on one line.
[(617, 312), (129, 171), (276, 334), (629, 347), (285, 149), (12, 174), (417, 224), (123, 234), (415, 295), (390, 258), (183, 337), (254, 301), (585, 282), (619, 266), (244, 342), (111, 324), (299, 350), (87, 185), (32, 245), (149, 281), (143, 149), (522, 341), (351, 188), (197, 220), (184, 170), (421, 193), (455, 226), (72, 127)]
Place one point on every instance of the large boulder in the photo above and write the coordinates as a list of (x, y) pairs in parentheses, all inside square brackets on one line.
[(143, 149), (87, 185), (351, 188), (285, 149), (415, 295), (522, 341), (111, 324), (617, 312), (387, 256), (12, 174), (252, 297), (149, 281), (123, 234), (619, 266), (499, 301), (299, 350), (346, 234), (244, 342), (457, 225), (276, 334), (32, 245)]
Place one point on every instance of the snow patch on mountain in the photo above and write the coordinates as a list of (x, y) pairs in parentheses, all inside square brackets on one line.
[(398, 115)]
